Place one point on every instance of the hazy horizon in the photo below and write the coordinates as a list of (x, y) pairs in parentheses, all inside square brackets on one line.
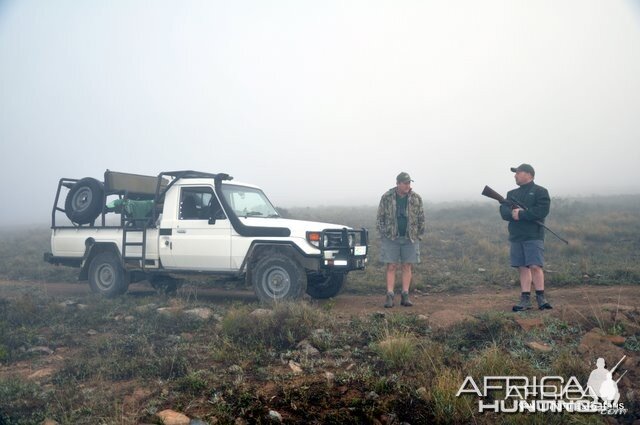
[(628, 200), (320, 103)]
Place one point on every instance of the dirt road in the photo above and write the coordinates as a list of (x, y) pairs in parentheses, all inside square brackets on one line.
[(575, 302)]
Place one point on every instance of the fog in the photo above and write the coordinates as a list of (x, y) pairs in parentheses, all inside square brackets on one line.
[(320, 103)]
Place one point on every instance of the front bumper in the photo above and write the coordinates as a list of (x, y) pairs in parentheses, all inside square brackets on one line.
[(344, 249)]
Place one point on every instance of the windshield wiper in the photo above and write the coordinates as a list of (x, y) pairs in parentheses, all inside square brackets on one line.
[(252, 214)]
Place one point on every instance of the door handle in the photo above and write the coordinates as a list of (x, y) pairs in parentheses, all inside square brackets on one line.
[(182, 231)]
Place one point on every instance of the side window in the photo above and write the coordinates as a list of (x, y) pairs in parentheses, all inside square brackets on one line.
[(215, 209), (199, 203)]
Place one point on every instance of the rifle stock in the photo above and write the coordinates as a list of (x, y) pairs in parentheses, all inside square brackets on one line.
[(490, 193)]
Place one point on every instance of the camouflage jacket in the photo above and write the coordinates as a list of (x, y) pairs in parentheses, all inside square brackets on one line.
[(388, 223)]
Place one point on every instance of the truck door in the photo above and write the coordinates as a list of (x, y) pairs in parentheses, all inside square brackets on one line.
[(200, 235)]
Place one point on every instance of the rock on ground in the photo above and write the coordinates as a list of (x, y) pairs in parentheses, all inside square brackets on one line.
[(170, 417), (446, 318), (595, 344)]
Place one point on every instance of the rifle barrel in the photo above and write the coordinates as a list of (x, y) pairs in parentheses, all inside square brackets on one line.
[(618, 364), (553, 233)]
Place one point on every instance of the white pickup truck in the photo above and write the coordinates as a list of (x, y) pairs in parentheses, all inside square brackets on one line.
[(130, 228)]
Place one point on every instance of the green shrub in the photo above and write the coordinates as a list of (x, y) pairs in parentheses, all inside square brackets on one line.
[(398, 351), (283, 327), (447, 408), (495, 361), (491, 328), (22, 402), (632, 343), (122, 357), (566, 363), (192, 383)]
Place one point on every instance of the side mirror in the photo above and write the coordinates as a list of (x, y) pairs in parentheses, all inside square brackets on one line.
[(212, 220)]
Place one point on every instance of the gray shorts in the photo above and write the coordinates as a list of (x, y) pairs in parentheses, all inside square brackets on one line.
[(400, 250), (527, 253)]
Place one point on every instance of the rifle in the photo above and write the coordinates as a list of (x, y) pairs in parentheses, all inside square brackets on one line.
[(618, 364), (618, 380), (490, 193)]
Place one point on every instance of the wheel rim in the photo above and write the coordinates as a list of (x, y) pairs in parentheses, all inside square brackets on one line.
[(276, 282), (82, 199), (105, 277)]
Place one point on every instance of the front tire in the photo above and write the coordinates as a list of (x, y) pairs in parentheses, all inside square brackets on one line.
[(277, 278), (326, 287), (106, 275)]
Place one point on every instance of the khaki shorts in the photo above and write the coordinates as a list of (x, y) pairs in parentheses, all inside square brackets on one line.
[(527, 253), (400, 250)]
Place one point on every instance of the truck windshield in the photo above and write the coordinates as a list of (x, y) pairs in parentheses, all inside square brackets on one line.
[(248, 201)]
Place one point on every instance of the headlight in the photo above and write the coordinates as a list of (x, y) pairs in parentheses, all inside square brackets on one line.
[(332, 240), (313, 238)]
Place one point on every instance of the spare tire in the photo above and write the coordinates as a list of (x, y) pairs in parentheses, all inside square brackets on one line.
[(84, 201)]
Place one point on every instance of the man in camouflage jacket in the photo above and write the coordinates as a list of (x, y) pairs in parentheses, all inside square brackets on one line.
[(400, 223)]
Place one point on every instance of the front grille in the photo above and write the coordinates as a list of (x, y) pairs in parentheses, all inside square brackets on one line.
[(333, 240)]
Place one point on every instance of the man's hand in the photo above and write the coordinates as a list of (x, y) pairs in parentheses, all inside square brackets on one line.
[(515, 213)]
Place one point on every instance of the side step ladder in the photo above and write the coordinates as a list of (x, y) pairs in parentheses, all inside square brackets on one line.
[(136, 227)]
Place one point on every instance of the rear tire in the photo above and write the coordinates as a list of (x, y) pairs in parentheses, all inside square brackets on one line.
[(278, 277), (106, 275), (84, 201), (166, 285), (326, 287)]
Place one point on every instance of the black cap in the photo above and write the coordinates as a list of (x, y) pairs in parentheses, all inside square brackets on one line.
[(524, 167), (403, 177)]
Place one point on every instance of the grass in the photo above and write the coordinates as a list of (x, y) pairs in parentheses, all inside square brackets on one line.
[(238, 366), (386, 368), (447, 407), (398, 352), (280, 328)]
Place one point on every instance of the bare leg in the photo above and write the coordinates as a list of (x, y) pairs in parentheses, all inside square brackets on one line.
[(406, 276), (525, 279), (537, 275), (391, 276)]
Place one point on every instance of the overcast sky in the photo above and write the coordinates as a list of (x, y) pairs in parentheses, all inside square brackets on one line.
[(323, 102)]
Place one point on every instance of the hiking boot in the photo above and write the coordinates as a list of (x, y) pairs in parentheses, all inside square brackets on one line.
[(543, 304), (389, 302), (405, 300), (524, 304)]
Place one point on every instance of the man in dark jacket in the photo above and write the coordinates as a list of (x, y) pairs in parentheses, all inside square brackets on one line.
[(527, 204)]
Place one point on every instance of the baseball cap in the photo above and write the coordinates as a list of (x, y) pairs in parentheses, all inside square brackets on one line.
[(403, 178), (524, 167)]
